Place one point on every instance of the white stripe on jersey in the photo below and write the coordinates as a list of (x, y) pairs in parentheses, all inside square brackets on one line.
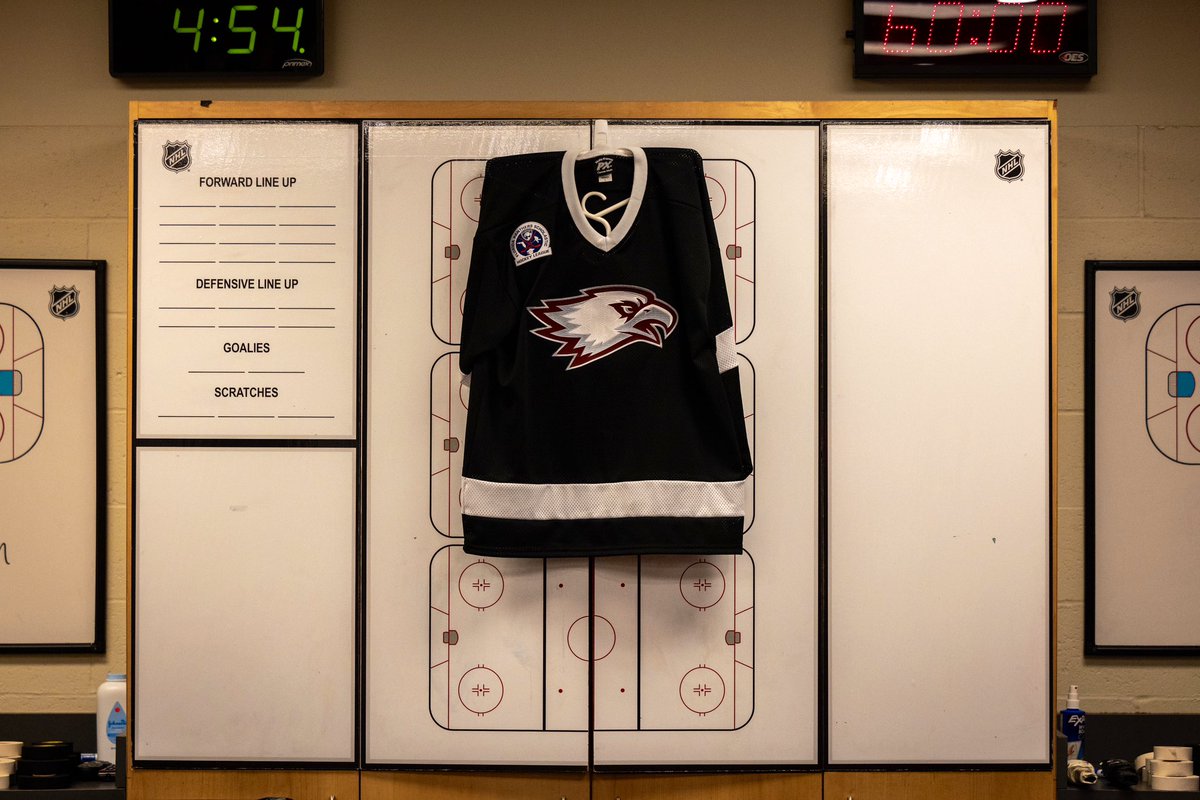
[(545, 501), (726, 354)]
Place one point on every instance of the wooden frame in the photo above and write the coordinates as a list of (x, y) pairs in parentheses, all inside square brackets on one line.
[(409, 785)]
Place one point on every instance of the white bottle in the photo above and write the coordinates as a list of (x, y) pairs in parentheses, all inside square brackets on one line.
[(111, 719)]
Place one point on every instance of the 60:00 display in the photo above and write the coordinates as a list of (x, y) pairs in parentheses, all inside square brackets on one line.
[(894, 31), (243, 29)]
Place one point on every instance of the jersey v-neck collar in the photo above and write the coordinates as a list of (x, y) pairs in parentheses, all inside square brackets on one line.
[(571, 196)]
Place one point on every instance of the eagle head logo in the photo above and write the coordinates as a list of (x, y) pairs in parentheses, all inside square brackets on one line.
[(601, 320)]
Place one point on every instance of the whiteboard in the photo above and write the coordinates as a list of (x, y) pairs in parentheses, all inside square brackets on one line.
[(52, 456), (939, 472), (247, 280), (1143, 437), (244, 609)]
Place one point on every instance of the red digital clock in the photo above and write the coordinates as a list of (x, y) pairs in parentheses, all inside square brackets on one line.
[(923, 38)]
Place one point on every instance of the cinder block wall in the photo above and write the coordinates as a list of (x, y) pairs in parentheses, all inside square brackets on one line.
[(1129, 186), (62, 195), (1127, 191)]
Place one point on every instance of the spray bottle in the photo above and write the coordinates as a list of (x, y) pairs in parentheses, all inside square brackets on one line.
[(1071, 724)]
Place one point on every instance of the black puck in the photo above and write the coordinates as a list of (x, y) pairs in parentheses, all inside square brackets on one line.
[(43, 781), (40, 751), (47, 766)]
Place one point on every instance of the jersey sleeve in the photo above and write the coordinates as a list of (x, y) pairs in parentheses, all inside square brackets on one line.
[(720, 325), (720, 318), (490, 305)]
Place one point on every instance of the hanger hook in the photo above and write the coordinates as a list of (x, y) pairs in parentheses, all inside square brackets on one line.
[(599, 215)]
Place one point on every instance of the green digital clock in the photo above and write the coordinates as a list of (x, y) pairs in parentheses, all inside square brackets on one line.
[(202, 37)]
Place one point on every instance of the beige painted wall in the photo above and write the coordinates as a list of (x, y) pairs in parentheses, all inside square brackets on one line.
[(1129, 160)]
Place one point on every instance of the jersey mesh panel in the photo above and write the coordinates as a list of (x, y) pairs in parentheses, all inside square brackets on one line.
[(603, 500)]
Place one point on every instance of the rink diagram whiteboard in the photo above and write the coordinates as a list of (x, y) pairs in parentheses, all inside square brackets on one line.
[(1143, 452), (679, 643), (53, 458)]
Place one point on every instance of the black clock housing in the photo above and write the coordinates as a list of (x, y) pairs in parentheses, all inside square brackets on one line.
[(1014, 39), (203, 37)]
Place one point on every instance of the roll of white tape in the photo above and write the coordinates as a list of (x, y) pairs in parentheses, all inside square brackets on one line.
[(7, 766), (4, 779), (1167, 783), (1167, 753), (1171, 769), (13, 749), (1142, 760)]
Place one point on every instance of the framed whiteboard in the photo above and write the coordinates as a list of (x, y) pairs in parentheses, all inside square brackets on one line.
[(1142, 344), (52, 456)]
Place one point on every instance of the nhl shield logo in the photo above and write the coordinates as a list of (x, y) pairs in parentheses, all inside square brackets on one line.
[(177, 156), (1125, 304), (1010, 165), (64, 301)]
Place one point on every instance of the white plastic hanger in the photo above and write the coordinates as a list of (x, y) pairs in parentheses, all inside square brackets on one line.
[(599, 216), (600, 137)]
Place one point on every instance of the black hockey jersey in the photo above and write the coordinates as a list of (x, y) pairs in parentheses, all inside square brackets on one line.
[(605, 413)]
